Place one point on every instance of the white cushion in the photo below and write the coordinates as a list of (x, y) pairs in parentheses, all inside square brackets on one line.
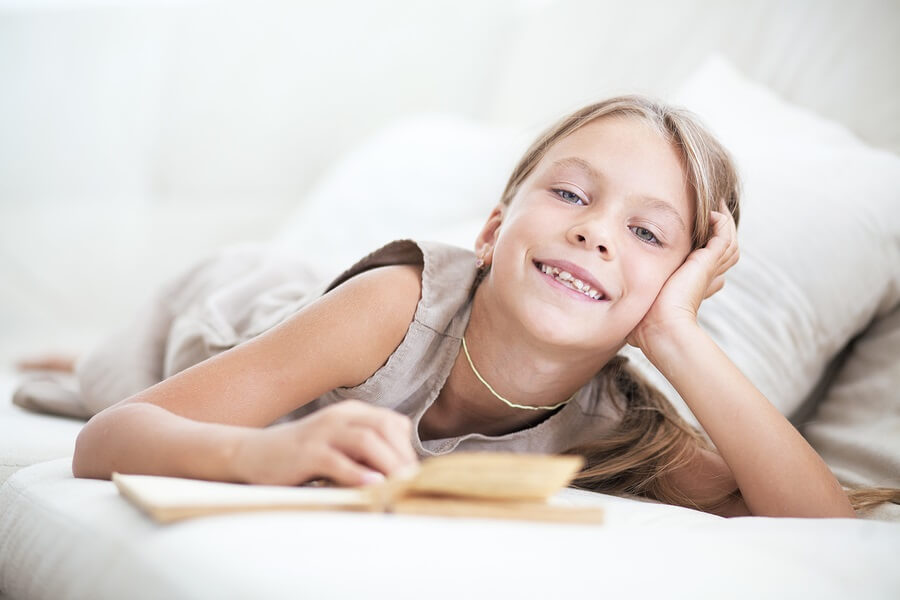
[(424, 174), (27, 438), (856, 428), (819, 237), (76, 538)]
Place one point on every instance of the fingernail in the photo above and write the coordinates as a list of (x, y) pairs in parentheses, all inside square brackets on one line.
[(371, 477)]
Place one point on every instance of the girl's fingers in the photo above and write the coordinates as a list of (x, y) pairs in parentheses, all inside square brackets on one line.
[(394, 428), (720, 231), (344, 471), (366, 446), (723, 246), (715, 285), (728, 259), (733, 257), (395, 433), (724, 239)]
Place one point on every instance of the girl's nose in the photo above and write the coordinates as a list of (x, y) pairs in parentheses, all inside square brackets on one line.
[(594, 237)]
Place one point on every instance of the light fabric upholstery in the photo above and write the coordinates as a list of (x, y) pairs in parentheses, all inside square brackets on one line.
[(425, 176), (856, 427), (836, 58), (62, 538), (27, 437), (819, 236)]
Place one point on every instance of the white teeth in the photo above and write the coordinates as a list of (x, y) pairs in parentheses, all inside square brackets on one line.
[(569, 281)]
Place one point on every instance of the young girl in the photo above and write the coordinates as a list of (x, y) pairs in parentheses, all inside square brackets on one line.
[(612, 229)]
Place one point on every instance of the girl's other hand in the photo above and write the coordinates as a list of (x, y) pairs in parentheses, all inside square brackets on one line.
[(700, 276), (352, 443)]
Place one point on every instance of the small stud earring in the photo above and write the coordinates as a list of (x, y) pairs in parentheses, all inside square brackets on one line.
[(479, 263)]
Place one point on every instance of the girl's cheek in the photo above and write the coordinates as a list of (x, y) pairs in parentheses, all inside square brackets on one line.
[(647, 284)]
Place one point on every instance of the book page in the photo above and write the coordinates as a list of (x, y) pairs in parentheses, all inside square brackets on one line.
[(171, 498), (465, 478), (495, 475)]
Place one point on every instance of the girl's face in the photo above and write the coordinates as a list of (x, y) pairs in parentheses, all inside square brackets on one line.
[(610, 205)]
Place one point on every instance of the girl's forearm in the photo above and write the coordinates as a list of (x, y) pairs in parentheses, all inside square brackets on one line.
[(146, 439), (777, 471)]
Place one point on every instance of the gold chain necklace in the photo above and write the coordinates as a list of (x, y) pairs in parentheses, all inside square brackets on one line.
[(488, 386)]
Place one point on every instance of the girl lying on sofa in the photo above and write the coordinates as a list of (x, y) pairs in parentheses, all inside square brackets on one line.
[(613, 228)]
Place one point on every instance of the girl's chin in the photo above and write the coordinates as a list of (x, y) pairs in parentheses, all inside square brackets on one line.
[(559, 328)]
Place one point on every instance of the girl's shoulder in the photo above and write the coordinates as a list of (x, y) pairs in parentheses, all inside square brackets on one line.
[(382, 302), (444, 273), (438, 259), (388, 290)]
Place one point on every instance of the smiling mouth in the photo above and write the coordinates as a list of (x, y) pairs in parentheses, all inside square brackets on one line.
[(570, 281)]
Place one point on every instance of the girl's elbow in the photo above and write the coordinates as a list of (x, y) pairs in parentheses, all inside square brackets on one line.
[(80, 463), (84, 459)]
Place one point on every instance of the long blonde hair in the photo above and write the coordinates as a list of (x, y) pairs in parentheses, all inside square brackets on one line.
[(652, 439)]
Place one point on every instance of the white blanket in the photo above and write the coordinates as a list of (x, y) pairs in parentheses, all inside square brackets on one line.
[(65, 538)]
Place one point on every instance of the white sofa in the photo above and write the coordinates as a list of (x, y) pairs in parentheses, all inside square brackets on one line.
[(138, 138)]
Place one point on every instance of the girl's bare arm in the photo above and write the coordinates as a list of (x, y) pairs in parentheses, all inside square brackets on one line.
[(707, 479), (776, 470), (194, 423)]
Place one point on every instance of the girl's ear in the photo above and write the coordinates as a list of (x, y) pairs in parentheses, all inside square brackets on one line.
[(484, 243)]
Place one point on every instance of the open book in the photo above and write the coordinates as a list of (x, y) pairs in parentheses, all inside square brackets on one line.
[(464, 484)]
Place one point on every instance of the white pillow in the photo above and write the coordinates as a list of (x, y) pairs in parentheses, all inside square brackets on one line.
[(856, 428), (429, 176), (819, 236)]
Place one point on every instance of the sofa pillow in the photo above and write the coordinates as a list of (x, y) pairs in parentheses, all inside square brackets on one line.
[(856, 427), (819, 238), (423, 174)]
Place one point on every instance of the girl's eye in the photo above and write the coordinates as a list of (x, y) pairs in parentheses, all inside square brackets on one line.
[(646, 235), (570, 197)]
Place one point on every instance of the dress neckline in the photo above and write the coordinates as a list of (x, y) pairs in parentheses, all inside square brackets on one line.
[(446, 444)]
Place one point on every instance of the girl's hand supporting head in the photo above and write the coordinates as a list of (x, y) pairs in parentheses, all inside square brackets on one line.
[(700, 276), (351, 443)]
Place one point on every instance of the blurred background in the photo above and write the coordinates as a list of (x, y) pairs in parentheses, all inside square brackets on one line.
[(139, 136)]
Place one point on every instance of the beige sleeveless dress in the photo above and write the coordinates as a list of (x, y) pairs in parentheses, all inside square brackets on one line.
[(244, 291)]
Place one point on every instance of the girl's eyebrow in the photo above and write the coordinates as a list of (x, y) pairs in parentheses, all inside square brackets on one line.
[(588, 168), (579, 163)]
